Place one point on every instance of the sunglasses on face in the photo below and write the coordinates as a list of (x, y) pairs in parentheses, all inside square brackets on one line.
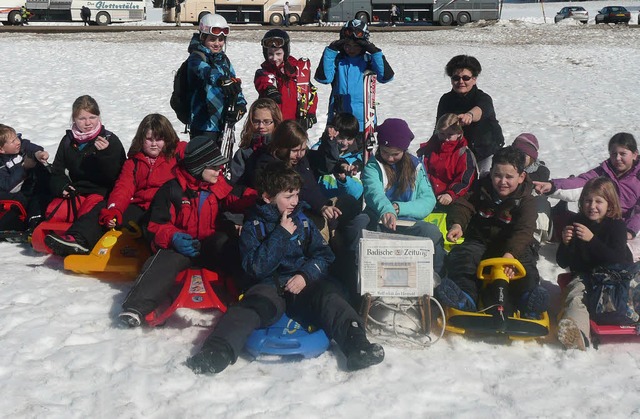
[(463, 78), (354, 32), (274, 42)]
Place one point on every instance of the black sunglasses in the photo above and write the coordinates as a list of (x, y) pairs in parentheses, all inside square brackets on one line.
[(458, 78)]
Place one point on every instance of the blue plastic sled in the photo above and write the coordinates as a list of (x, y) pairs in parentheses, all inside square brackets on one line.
[(287, 337)]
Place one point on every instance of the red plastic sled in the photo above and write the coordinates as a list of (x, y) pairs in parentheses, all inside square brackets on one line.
[(44, 228), (196, 293), (598, 330)]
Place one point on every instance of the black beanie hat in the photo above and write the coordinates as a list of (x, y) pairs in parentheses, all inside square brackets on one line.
[(201, 152)]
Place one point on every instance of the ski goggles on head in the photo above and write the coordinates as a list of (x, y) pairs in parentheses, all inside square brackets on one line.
[(274, 42), (217, 31), (354, 32)]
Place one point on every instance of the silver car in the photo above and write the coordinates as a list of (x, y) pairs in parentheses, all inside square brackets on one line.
[(572, 12)]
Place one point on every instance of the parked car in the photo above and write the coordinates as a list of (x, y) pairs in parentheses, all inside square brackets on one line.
[(572, 12), (613, 14)]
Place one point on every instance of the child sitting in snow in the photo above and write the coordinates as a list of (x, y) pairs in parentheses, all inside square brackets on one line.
[(186, 228), (24, 183), (287, 259), (337, 160), (497, 218), (448, 161), (595, 239), (624, 171)]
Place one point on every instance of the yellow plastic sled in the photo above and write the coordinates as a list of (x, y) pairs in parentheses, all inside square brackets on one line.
[(514, 326), (119, 254), (440, 220)]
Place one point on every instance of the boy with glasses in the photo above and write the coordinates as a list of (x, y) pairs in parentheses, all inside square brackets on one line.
[(286, 79)]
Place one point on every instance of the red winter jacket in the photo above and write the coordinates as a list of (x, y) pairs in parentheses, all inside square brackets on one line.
[(139, 181), (285, 79), (177, 208), (450, 166)]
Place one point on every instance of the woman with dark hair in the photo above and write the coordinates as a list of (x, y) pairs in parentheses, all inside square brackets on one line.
[(474, 109)]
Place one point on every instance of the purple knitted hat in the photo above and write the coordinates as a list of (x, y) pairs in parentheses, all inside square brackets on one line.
[(394, 132), (528, 144)]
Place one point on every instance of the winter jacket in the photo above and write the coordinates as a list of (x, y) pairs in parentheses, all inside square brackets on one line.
[(346, 76), (285, 79), (450, 166), (505, 226), (310, 192), (139, 181), (189, 206), (277, 255), (90, 171), (208, 103), (415, 205), (538, 171), (607, 247), (332, 187), (326, 156), (484, 136), (243, 163), (12, 173), (628, 186)]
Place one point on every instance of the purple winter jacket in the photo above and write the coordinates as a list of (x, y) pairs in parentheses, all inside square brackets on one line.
[(628, 186)]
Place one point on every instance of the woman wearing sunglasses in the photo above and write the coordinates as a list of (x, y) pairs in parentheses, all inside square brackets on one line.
[(279, 77), (212, 81), (474, 109)]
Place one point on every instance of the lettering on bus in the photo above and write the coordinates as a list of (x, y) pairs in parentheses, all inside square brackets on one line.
[(118, 5)]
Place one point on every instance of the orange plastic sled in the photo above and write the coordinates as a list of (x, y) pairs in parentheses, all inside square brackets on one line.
[(119, 252)]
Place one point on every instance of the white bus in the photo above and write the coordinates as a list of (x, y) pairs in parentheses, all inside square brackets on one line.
[(103, 12), (10, 11), (242, 11)]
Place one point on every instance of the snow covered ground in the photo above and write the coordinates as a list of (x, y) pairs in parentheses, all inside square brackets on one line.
[(571, 85)]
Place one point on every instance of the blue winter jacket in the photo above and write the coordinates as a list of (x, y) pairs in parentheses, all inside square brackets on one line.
[(271, 254), (415, 205), (208, 103), (346, 76)]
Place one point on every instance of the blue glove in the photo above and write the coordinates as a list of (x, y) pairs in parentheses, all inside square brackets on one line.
[(184, 244)]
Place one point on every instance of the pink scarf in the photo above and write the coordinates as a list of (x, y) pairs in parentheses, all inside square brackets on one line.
[(85, 137)]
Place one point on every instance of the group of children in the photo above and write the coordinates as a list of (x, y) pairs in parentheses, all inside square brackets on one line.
[(287, 223)]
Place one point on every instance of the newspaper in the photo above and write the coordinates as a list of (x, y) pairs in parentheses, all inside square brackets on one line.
[(395, 265)]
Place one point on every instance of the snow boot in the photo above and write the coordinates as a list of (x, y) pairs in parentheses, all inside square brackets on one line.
[(129, 319), (214, 357), (534, 303), (359, 351), (450, 295), (66, 245), (570, 335)]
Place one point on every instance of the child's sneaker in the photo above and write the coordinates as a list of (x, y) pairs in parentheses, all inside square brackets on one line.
[(359, 351), (570, 335), (129, 319), (66, 245), (534, 303), (213, 358), (450, 295)]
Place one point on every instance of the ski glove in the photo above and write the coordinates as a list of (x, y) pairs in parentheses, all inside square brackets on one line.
[(308, 121), (235, 115), (368, 46), (273, 94), (337, 45), (14, 161), (186, 245), (108, 214), (230, 87)]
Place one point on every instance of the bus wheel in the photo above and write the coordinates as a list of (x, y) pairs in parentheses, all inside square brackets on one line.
[(363, 17), (294, 19), (276, 19), (445, 19), (103, 19), (463, 18), (14, 18)]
